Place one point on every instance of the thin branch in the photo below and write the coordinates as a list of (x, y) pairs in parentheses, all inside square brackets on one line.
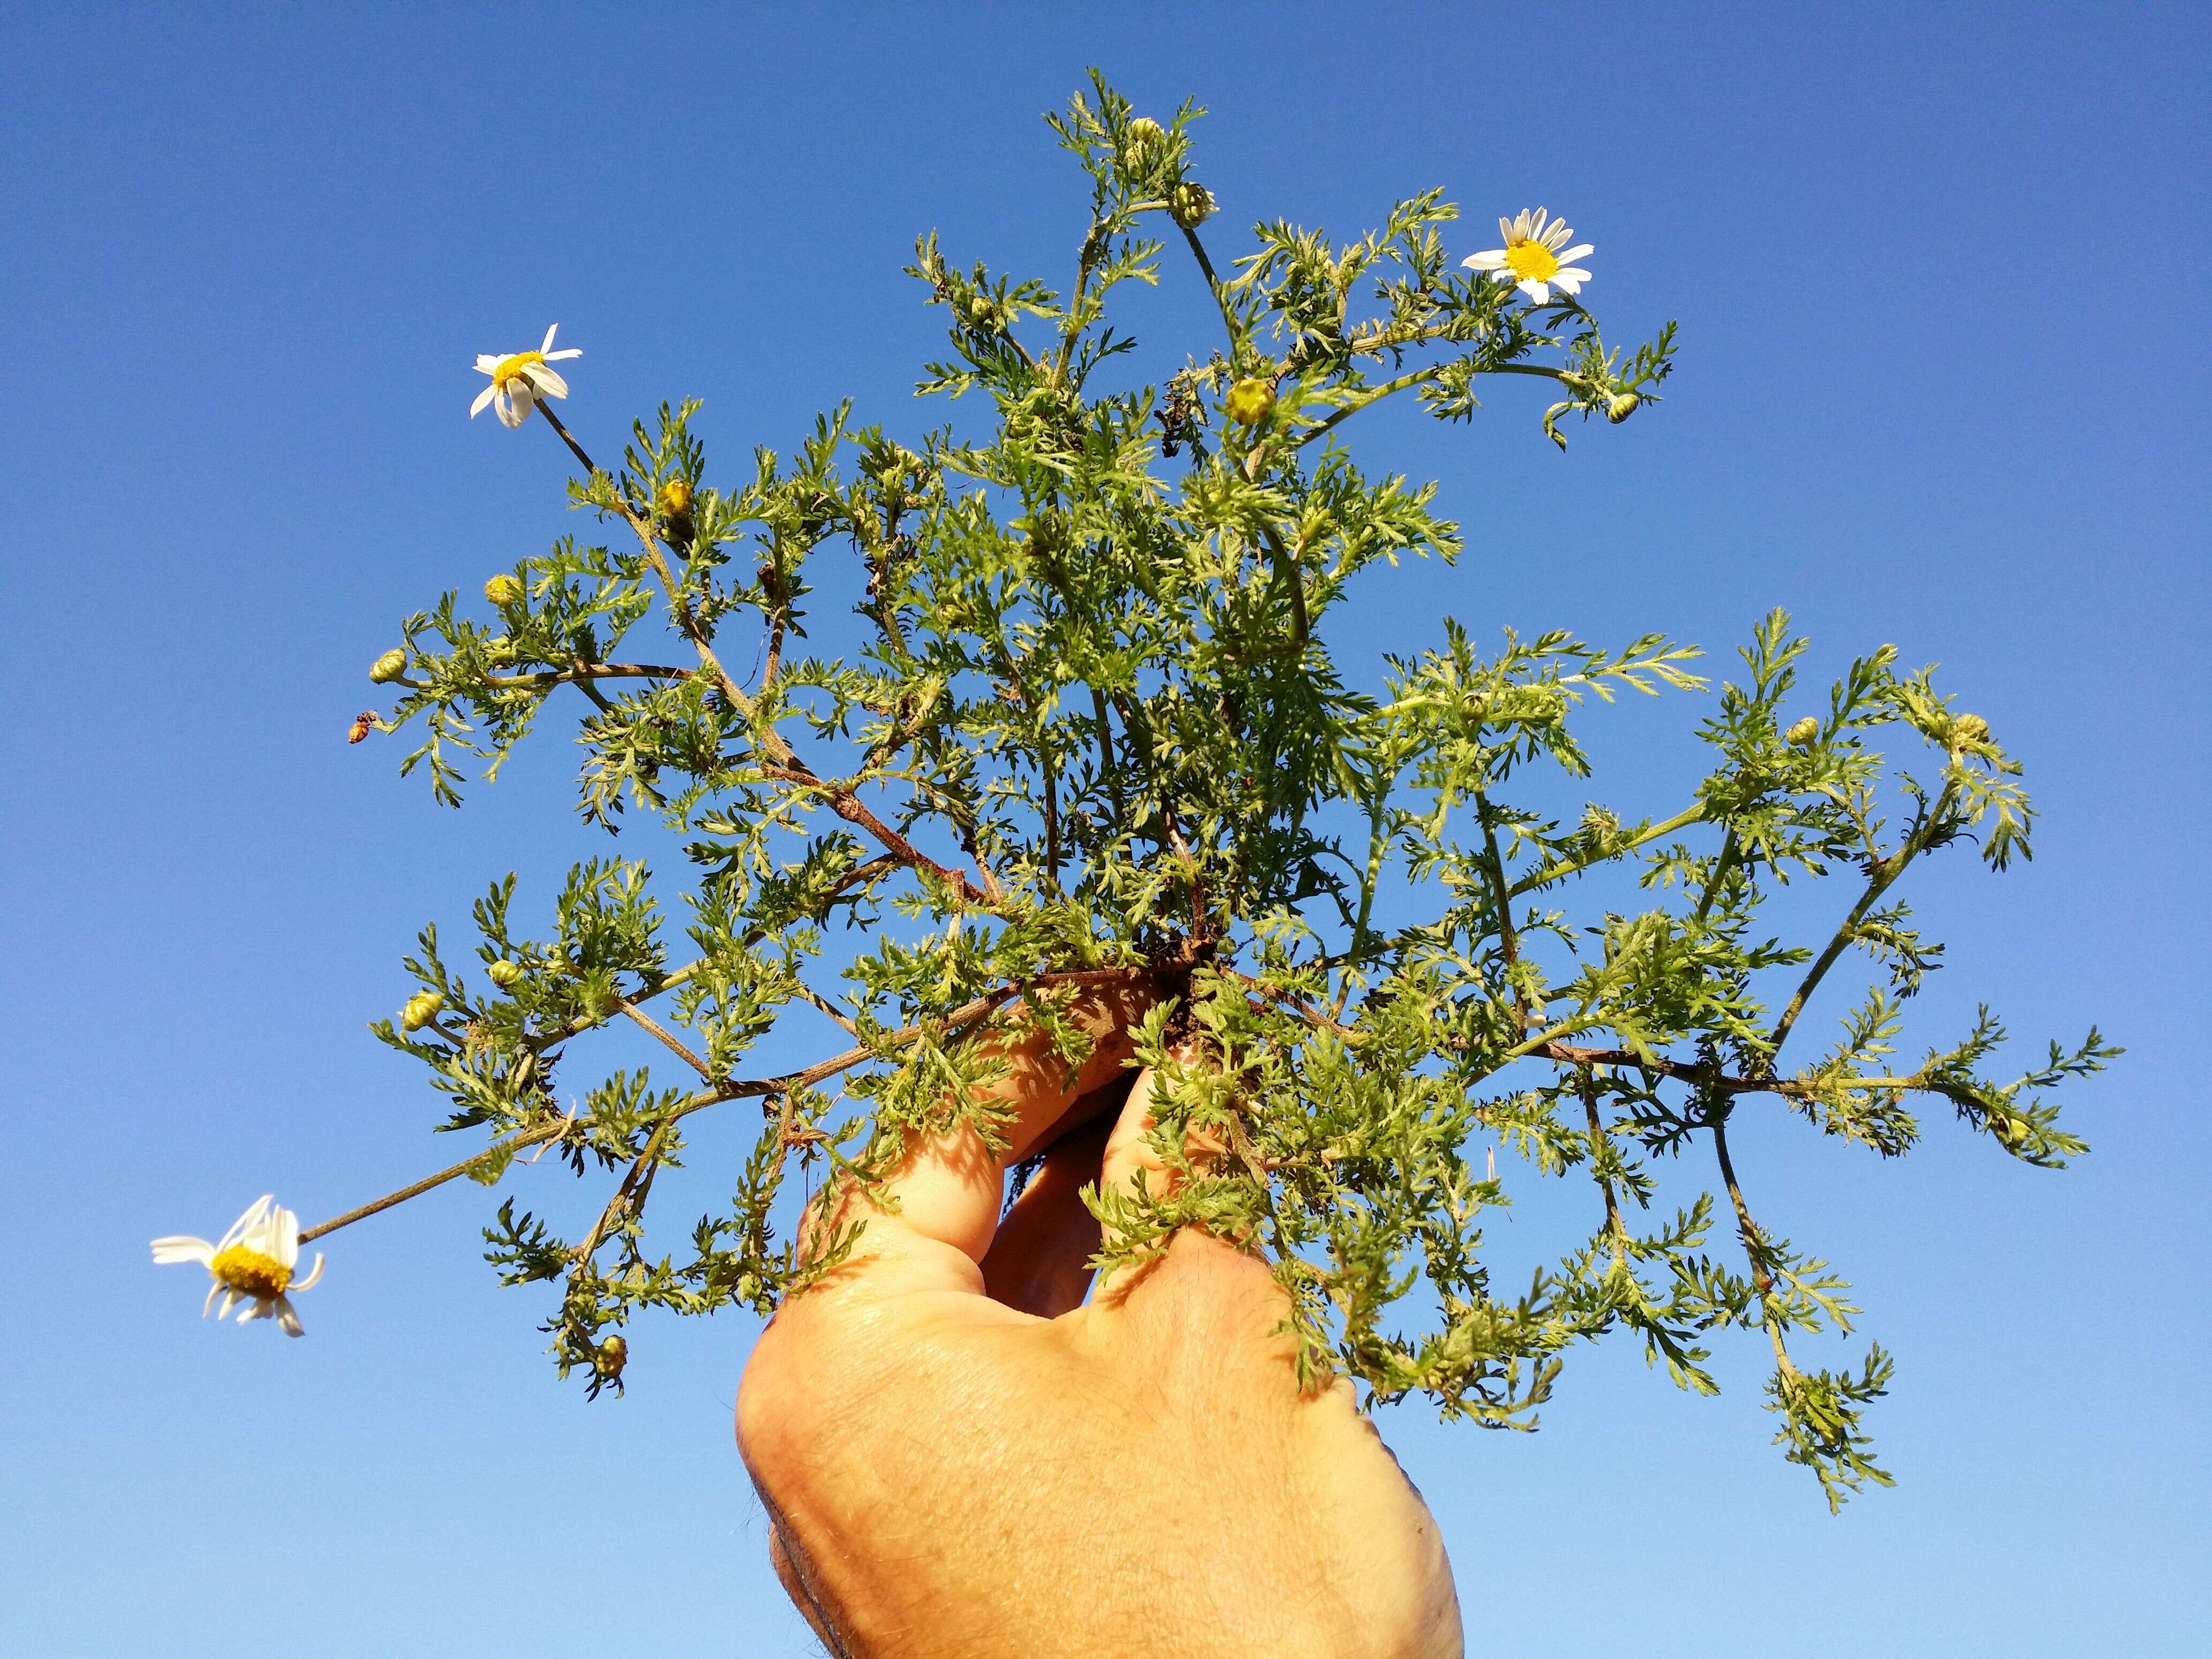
[(668, 1038), (1885, 876), (1553, 872)]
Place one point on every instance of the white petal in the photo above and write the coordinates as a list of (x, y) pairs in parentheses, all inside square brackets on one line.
[(230, 1297), (314, 1273), (486, 362), (247, 1222), (545, 382), (549, 333), (287, 1239), (483, 400), (213, 1290), (252, 1310), (513, 410), (180, 1249), (1569, 282), (562, 356), (287, 1321), (1488, 259), (1556, 235), (1535, 291), (1581, 251)]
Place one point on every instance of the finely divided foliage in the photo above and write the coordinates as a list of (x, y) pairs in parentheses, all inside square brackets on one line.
[(1096, 735)]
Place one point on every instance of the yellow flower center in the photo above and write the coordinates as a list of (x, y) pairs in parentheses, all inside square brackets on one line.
[(1528, 261), (250, 1272), (509, 369)]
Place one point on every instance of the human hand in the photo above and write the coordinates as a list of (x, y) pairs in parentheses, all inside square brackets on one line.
[(961, 1456)]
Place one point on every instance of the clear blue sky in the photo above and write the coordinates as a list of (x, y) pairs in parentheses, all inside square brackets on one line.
[(1942, 278)]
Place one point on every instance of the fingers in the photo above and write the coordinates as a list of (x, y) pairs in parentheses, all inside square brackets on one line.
[(1132, 1165), (945, 1193), (1039, 1261)]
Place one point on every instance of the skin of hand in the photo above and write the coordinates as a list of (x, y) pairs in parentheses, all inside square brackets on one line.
[(960, 1455)]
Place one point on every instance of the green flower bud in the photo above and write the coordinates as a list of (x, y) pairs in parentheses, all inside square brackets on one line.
[(1190, 204), (505, 975), (609, 1357), (1970, 728), (1250, 401), (422, 1008), (1620, 406), (1802, 733), (1144, 145), (388, 667), (503, 590)]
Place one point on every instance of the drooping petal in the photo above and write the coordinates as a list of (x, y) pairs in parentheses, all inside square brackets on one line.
[(484, 401), (314, 1273), (213, 1290), (254, 1309), (545, 382), (287, 1321), (513, 406), (178, 1248), (1569, 282), (1539, 292), (230, 1297)]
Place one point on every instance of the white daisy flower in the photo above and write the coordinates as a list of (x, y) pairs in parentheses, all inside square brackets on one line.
[(253, 1264), (520, 380), (1536, 258)]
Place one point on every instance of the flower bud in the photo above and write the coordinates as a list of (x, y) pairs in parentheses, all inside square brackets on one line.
[(1190, 204), (1970, 728), (609, 1357), (675, 497), (504, 590), (422, 1008), (388, 667), (1802, 733), (1250, 401), (504, 974), (1144, 145), (1620, 406)]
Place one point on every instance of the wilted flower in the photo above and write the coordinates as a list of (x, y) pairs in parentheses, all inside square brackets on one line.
[(518, 381), (1536, 258), (253, 1264)]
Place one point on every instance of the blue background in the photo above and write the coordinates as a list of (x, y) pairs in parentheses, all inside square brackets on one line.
[(1942, 278)]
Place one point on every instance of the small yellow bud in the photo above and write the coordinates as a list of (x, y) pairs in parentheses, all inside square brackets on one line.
[(1144, 145), (503, 590), (609, 1357), (1190, 204), (1620, 406), (675, 497), (1970, 728), (1250, 401), (388, 667), (503, 974), (1802, 733), (422, 1008)]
